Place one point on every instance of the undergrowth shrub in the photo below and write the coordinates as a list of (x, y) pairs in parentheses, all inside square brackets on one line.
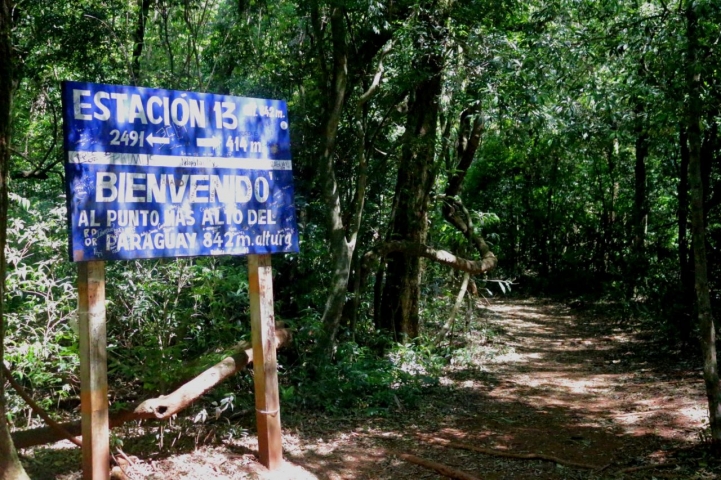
[(167, 317), (40, 344), (359, 381)]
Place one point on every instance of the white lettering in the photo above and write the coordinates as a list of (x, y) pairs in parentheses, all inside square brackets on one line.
[(131, 187), (152, 101), (83, 219), (137, 110), (196, 187), (139, 187), (105, 181), (156, 191), (197, 113), (78, 106), (121, 109), (98, 98), (261, 189), (180, 111)]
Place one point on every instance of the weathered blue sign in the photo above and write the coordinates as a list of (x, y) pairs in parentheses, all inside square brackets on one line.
[(162, 173)]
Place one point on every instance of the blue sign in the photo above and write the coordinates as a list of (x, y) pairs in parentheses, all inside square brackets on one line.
[(163, 173)]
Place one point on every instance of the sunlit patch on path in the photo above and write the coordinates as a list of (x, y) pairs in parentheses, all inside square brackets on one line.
[(578, 364)]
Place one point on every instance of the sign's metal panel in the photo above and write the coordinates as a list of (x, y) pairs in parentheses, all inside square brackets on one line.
[(161, 173)]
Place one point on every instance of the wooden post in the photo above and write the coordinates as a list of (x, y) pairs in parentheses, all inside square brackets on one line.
[(265, 368), (93, 371)]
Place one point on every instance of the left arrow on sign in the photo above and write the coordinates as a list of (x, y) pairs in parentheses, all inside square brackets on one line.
[(153, 140), (208, 142)]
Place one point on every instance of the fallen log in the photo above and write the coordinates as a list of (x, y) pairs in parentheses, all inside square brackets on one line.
[(444, 470), (162, 407), (499, 453)]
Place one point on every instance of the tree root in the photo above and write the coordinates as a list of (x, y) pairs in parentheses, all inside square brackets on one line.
[(160, 408), (647, 467), (444, 470), (499, 453)]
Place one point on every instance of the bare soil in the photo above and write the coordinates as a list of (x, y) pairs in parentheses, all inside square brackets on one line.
[(573, 386)]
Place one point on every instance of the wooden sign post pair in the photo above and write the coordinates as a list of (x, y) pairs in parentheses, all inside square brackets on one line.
[(94, 378)]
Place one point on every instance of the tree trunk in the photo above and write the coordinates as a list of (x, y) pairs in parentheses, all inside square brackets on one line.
[(549, 229), (10, 466), (640, 202), (342, 234), (708, 148), (340, 252), (139, 40), (416, 173), (698, 230), (683, 320), (453, 211)]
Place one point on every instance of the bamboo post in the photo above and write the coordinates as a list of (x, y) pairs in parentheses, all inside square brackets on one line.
[(265, 369), (93, 370)]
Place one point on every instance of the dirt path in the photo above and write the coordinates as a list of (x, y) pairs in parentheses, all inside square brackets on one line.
[(569, 385)]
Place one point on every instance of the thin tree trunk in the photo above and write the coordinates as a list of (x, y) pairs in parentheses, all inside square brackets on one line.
[(468, 141), (708, 147), (548, 226), (10, 466), (340, 252), (454, 313), (698, 230), (139, 39), (683, 320), (640, 202)]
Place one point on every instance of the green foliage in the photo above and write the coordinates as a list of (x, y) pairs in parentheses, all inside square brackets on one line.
[(167, 315), (41, 346), (360, 381)]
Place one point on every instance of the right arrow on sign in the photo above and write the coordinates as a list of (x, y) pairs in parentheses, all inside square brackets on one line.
[(213, 142)]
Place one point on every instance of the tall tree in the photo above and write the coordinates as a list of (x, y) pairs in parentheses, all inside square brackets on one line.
[(416, 175), (341, 250), (10, 466), (694, 118)]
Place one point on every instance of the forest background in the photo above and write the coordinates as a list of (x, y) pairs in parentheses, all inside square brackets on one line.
[(441, 150)]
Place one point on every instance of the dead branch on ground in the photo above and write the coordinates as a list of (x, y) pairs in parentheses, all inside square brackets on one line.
[(162, 407), (438, 467)]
